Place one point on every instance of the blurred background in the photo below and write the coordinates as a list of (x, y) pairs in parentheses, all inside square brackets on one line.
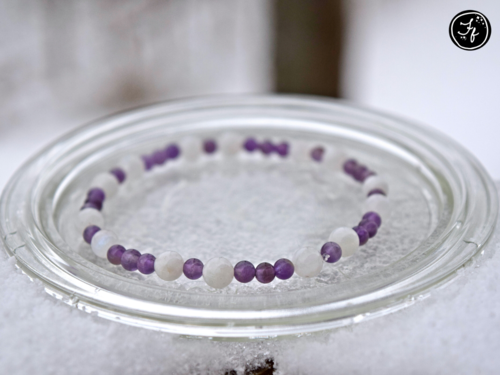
[(65, 63)]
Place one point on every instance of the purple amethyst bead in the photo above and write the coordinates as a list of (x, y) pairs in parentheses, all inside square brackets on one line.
[(146, 264), (89, 232), (148, 162), (250, 145), (160, 157), (283, 269), (119, 174), (362, 234), (366, 174), (115, 253), (265, 273), (282, 149), (95, 195), (370, 226), (97, 205), (129, 259), (244, 271), (266, 147), (209, 146), (173, 151), (376, 191), (350, 166), (317, 153), (373, 216), (331, 252), (360, 173), (193, 268)]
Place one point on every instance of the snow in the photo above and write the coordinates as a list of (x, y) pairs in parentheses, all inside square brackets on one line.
[(454, 330)]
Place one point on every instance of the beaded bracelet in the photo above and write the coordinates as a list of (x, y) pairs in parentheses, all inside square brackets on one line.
[(218, 272)]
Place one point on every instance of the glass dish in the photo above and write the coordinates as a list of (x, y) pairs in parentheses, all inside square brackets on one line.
[(255, 208)]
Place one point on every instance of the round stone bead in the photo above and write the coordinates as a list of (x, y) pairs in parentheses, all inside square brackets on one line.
[(244, 271), (373, 216), (284, 269), (148, 162), (95, 195), (360, 173), (370, 226), (366, 174), (362, 233), (331, 252), (266, 147), (300, 151), (102, 241), (376, 191), (191, 148), (230, 143), (379, 204), (115, 253), (88, 216), (250, 145), (333, 159), (89, 232), (282, 149), (350, 166), (264, 273), (218, 272), (308, 262), (129, 259), (317, 153), (209, 146), (193, 268), (168, 266), (172, 151), (119, 174), (347, 239), (107, 183), (375, 182), (95, 205), (160, 157), (134, 166), (146, 264)]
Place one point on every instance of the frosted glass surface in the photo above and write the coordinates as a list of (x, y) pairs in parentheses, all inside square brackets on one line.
[(250, 207)]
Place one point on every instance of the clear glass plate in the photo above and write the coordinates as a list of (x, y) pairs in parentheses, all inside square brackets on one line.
[(250, 207)]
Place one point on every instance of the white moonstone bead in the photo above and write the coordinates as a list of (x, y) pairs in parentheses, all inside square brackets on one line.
[(107, 182), (102, 241), (168, 266), (300, 151), (133, 166), (347, 239), (375, 182), (230, 143), (333, 159), (190, 148), (308, 262), (88, 216), (218, 272), (378, 203)]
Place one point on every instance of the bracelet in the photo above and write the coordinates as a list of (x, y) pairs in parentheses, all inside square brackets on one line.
[(218, 272)]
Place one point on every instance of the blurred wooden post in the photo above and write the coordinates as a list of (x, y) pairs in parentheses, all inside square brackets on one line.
[(308, 46)]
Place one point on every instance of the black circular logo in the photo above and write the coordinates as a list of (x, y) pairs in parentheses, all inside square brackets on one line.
[(470, 30)]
